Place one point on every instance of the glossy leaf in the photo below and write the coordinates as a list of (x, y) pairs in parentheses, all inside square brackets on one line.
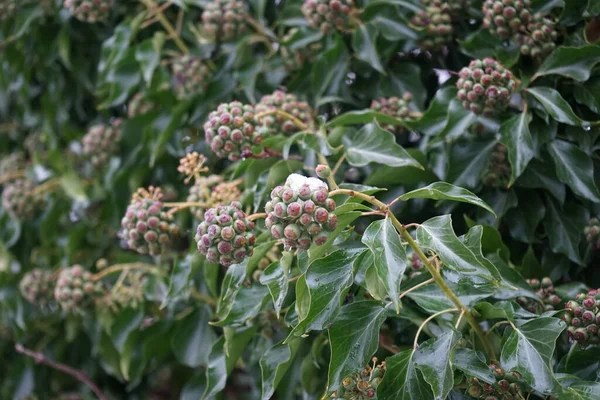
[(363, 41), (433, 360), (562, 226), (402, 381), (573, 62), (517, 139), (192, 340), (389, 256), (274, 364), (556, 106)]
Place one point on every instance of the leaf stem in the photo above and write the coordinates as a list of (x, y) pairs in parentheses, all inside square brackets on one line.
[(167, 25), (497, 324), (427, 282), (75, 373), (9, 176), (437, 314), (136, 266), (299, 124), (254, 217), (338, 164), (203, 298)]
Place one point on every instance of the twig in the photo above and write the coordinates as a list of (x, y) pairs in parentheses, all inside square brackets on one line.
[(203, 298), (299, 124), (77, 374), (167, 25), (338, 164), (136, 266), (254, 217), (9, 176), (46, 186), (462, 313)]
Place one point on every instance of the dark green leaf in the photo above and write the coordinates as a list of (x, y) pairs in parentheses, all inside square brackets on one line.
[(572, 62), (563, 226), (433, 360), (274, 364), (517, 138), (402, 381), (556, 106), (363, 41), (193, 338), (472, 364)]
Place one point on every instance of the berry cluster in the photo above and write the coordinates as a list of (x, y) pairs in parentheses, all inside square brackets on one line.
[(89, 10), (296, 57), (456, 8), (200, 192), (485, 86), (301, 212), (7, 9), (36, 286), (140, 105), (506, 18), (540, 38), (191, 75), (363, 385), (101, 142), (12, 162), (19, 199), (225, 19), (545, 290), (327, 15), (508, 386), (288, 103), (396, 107), (232, 130), (436, 26), (498, 169), (583, 318), (148, 229), (592, 233), (273, 255), (76, 289), (226, 236)]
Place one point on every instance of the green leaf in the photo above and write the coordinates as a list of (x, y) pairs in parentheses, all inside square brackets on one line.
[(575, 168), (528, 350), (274, 364), (446, 191), (320, 291), (354, 338), (148, 54), (433, 360), (193, 338), (542, 175), (363, 117), (243, 305), (216, 370), (563, 227), (438, 235), (364, 43), (345, 218), (556, 106), (517, 139), (505, 310), (402, 381), (275, 277), (459, 120), (522, 221), (389, 256), (435, 118), (467, 162), (373, 144), (573, 62), (472, 364)]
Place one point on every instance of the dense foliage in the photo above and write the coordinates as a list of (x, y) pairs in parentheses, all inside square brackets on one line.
[(391, 199)]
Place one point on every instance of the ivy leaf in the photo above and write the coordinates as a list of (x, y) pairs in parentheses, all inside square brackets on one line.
[(573, 62), (575, 168), (563, 228), (522, 221), (354, 338), (363, 117), (274, 364), (389, 256), (401, 380), (373, 144), (147, 54), (320, 291), (446, 191), (471, 363), (243, 306), (459, 120), (433, 360), (503, 310), (582, 391), (216, 370), (345, 217), (517, 139), (275, 277), (435, 118), (438, 235), (556, 106), (192, 339), (363, 42), (541, 175), (468, 162), (528, 350)]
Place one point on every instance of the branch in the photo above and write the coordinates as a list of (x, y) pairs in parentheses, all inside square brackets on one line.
[(75, 373)]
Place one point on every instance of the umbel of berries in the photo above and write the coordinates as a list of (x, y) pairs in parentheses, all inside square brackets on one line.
[(583, 318), (36, 286), (89, 10), (76, 289), (508, 386), (499, 169), (102, 142), (327, 15), (505, 18), (232, 130), (485, 86), (19, 199), (7, 9), (540, 39), (436, 26), (592, 234), (396, 107), (287, 103), (225, 20), (301, 212), (363, 385), (191, 75), (456, 8), (147, 228), (140, 105), (548, 299), (226, 236)]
